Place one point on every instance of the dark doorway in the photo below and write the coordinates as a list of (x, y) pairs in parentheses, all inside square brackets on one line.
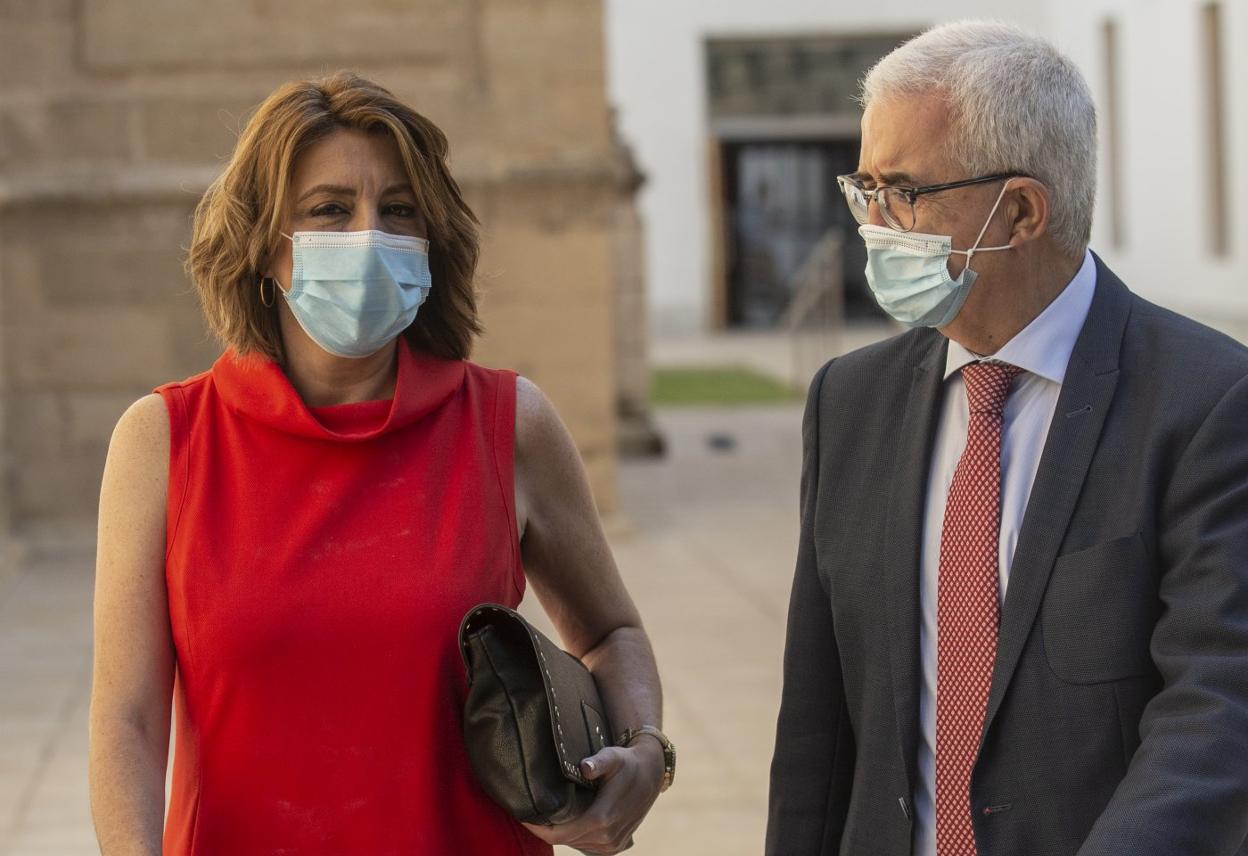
[(780, 200)]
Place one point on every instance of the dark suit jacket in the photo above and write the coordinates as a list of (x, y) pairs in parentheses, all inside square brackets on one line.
[(1117, 721)]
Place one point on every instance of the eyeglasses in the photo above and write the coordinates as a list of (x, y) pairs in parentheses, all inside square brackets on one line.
[(896, 204)]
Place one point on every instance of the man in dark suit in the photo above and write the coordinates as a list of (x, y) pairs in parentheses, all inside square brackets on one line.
[(1019, 621)]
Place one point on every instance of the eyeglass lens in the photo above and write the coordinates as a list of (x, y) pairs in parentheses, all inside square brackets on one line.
[(895, 207)]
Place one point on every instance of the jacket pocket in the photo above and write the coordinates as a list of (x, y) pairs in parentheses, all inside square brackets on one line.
[(1099, 611)]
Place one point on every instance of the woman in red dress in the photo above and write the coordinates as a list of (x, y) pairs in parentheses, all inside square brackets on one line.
[(288, 541)]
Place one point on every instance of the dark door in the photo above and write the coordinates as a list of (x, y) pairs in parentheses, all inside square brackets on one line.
[(781, 198)]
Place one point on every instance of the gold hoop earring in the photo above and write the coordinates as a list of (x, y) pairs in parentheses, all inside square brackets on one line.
[(268, 304)]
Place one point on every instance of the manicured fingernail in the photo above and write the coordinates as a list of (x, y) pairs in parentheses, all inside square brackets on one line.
[(589, 766)]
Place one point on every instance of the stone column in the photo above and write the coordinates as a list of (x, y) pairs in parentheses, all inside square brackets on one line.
[(638, 436)]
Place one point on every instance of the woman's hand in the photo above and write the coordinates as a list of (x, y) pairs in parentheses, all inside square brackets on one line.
[(630, 779)]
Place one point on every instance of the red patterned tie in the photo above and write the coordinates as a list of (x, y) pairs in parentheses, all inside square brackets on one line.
[(967, 611)]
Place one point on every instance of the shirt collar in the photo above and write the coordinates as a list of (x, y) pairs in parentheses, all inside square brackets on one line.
[(1044, 346)]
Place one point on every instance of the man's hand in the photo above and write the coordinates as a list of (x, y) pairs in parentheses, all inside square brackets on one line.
[(629, 782)]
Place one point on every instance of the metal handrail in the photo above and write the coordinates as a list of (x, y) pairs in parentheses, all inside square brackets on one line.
[(816, 314)]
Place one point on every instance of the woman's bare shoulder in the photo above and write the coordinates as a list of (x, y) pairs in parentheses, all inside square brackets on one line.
[(140, 441), (537, 423), (146, 421)]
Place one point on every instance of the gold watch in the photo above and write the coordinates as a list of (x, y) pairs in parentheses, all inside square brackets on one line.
[(669, 751)]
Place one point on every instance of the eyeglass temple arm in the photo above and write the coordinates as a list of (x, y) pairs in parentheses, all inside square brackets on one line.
[(933, 188)]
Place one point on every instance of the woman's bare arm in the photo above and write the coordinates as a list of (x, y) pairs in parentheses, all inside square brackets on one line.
[(569, 565), (134, 658)]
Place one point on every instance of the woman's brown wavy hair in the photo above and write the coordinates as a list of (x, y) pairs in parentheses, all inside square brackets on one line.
[(237, 223)]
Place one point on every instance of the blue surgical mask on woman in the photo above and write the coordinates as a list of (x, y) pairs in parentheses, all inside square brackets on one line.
[(909, 272), (354, 292)]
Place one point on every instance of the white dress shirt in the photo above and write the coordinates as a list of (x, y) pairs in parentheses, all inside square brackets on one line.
[(1042, 349)]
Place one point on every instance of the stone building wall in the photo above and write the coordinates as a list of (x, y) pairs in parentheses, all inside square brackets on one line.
[(637, 435), (114, 116)]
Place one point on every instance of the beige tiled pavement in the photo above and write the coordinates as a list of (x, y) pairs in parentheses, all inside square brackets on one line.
[(705, 541)]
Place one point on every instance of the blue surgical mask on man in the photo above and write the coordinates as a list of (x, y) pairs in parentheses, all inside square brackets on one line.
[(354, 292), (908, 272)]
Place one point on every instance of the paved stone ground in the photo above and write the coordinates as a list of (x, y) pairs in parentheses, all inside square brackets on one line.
[(45, 675), (706, 543)]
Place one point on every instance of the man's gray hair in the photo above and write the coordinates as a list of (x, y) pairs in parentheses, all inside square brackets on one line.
[(1017, 105)]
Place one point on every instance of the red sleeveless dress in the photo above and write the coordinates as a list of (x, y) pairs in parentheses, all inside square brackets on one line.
[(319, 561)]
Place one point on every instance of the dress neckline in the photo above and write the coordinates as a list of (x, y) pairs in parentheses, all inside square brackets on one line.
[(257, 388)]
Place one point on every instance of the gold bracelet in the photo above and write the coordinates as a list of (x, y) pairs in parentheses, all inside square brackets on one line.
[(669, 750)]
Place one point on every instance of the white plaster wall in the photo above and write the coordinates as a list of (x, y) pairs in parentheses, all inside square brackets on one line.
[(656, 80), (1165, 255)]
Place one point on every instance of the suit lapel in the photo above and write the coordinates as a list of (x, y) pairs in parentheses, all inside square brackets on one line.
[(904, 532), (1082, 406)]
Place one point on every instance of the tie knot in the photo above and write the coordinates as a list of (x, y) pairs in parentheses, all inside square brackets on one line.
[(988, 385)]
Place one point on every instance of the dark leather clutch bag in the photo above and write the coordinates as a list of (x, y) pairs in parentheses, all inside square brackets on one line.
[(533, 713)]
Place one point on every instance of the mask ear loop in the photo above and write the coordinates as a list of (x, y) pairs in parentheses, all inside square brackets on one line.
[(976, 248)]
